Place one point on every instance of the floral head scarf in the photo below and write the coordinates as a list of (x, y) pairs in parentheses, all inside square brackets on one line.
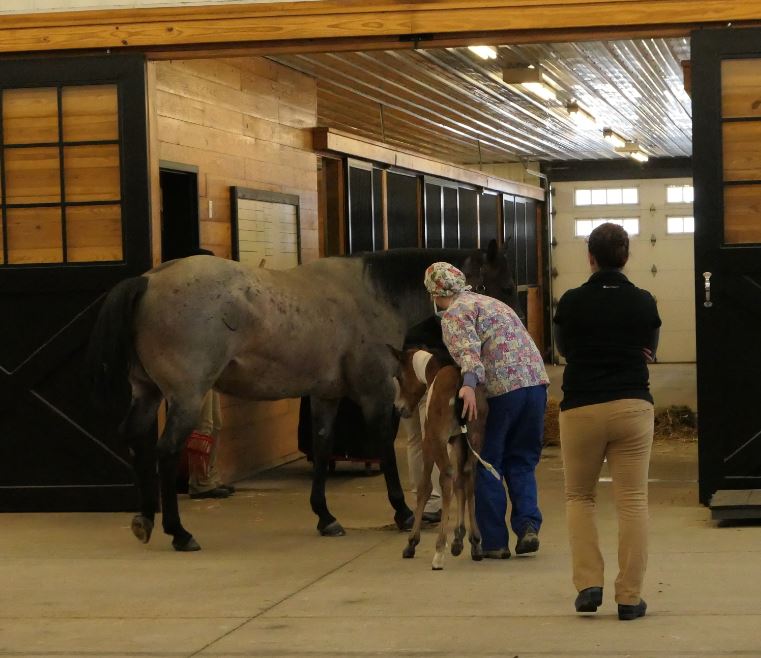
[(444, 280)]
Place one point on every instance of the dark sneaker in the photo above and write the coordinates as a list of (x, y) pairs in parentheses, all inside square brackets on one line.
[(230, 488), (432, 517), (528, 542), (589, 599), (498, 554), (628, 612), (218, 492)]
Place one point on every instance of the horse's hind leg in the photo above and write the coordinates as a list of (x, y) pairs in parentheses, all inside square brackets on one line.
[(459, 489), (182, 418), (138, 429), (424, 488), (476, 550), (445, 478), (323, 419)]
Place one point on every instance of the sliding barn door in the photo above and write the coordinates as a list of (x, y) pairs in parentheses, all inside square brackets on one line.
[(75, 221)]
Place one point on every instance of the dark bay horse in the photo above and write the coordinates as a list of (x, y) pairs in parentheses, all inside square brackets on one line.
[(318, 330)]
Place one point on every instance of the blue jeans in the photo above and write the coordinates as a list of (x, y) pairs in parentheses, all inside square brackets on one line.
[(513, 445)]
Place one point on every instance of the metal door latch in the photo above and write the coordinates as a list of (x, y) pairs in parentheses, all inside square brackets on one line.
[(707, 277)]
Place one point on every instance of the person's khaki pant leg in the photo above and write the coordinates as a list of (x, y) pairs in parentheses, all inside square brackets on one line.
[(413, 428), (211, 425), (583, 441), (630, 443)]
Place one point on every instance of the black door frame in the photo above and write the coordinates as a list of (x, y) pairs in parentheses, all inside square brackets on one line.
[(28, 384), (709, 49)]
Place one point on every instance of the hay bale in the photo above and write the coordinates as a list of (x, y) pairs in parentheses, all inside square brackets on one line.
[(552, 423), (677, 422)]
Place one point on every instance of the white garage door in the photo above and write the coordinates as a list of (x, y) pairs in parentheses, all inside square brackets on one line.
[(658, 216)]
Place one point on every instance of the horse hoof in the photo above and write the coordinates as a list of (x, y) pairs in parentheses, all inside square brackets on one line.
[(438, 562), (408, 552), (186, 546), (334, 529), (142, 527), (457, 547), (406, 523), (476, 553)]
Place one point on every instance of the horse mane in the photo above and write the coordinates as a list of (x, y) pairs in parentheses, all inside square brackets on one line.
[(399, 272)]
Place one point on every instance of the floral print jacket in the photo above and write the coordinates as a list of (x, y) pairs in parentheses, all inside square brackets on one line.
[(490, 344)]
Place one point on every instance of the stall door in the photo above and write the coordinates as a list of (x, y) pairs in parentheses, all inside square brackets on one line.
[(727, 165), (75, 220)]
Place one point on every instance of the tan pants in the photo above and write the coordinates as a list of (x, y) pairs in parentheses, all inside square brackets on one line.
[(211, 425), (622, 432), (413, 428)]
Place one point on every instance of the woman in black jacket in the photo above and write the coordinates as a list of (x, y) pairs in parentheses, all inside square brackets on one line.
[(607, 329)]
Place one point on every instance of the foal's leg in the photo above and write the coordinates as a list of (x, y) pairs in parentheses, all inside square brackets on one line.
[(424, 488), (136, 428), (445, 478), (469, 475), (182, 418), (323, 419), (460, 457)]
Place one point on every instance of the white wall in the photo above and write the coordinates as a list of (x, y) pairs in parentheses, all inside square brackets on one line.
[(30, 6), (673, 285)]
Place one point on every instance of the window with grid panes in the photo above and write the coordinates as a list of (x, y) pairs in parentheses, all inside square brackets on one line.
[(60, 176)]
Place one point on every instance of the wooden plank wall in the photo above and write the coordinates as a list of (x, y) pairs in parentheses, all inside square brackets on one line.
[(245, 122)]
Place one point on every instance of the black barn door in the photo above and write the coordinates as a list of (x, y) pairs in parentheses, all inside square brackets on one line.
[(726, 97), (75, 220)]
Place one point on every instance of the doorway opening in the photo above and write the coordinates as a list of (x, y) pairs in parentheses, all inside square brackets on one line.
[(180, 234)]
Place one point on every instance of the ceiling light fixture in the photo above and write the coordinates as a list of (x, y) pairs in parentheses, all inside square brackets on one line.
[(532, 79), (484, 52), (639, 156), (610, 135), (634, 151), (580, 116)]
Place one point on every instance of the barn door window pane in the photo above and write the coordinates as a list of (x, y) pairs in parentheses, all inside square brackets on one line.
[(433, 215), (402, 204), (30, 116), (90, 113), (34, 235), (487, 218), (451, 218), (32, 176), (361, 225), (468, 218), (60, 188)]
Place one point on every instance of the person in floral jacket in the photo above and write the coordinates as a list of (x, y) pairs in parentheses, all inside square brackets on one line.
[(492, 347)]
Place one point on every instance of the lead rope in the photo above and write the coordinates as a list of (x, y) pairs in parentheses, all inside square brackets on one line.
[(483, 462)]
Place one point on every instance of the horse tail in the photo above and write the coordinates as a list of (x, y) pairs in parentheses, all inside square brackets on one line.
[(111, 346)]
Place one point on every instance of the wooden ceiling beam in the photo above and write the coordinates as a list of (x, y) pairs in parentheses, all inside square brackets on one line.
[(383, 20)]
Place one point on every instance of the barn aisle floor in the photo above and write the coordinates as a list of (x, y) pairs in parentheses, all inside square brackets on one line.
[(265, 584)]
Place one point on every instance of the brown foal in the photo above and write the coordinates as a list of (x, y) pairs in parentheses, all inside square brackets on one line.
[(444, 444)]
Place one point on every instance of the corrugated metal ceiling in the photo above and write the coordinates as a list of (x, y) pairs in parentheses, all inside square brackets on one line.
[(451, 104)]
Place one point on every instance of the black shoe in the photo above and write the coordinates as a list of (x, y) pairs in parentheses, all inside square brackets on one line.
[(229, 487), (432, 517), (589, 599), (218, 492), (628, 612), (528, 541), (498, 554)]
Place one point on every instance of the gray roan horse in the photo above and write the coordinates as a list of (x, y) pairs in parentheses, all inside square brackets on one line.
[(318, 330)]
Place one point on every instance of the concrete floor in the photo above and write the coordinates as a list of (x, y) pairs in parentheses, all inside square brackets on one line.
[(265, 584)]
